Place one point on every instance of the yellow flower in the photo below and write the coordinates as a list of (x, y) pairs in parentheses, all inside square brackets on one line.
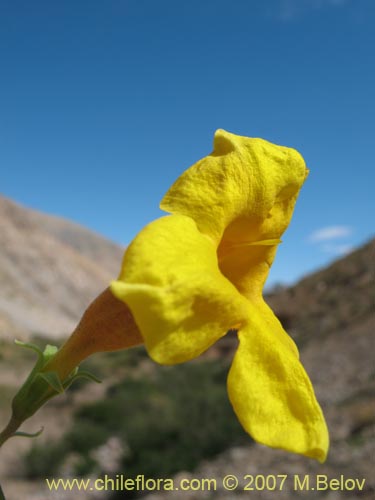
[(191, 276)]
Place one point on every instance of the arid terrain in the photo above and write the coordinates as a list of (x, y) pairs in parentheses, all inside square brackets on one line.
[(50, 271)]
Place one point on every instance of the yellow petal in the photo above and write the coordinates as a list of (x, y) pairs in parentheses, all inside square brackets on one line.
[(242, 178), (242, 196), (171, 282), (272, 394)]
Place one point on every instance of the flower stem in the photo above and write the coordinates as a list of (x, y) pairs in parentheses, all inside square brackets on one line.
[(2, 497), (9, 431)]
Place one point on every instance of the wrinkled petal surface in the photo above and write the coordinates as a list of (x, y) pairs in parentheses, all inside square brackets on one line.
[(242, 177), (180, 300), (241, 195), (272, 394)]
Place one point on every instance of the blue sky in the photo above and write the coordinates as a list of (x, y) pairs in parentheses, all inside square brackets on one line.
[(104, 104)]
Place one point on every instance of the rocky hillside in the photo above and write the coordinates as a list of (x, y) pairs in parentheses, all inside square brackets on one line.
[(330, 314), (50, 270), (333, 299)]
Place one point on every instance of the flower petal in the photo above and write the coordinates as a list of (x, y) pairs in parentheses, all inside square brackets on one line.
[(242, 179), (242, 196), (272, 394), (171, 282)]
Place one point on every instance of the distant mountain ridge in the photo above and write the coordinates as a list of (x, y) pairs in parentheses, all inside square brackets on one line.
[(50, 270)]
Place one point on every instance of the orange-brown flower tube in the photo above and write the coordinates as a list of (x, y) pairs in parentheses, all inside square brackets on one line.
[(106, 325)]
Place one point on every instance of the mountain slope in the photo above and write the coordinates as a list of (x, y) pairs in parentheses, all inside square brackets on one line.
[(334, 298), (50, 270), (330, 314)]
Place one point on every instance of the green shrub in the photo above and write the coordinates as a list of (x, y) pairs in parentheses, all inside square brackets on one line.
[(44, 461), (86, 435), (168, 422)]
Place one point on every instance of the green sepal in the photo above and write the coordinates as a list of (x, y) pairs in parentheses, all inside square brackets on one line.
[(27, 345), (28, 434), (49, 352), (43, 357), (87, 375), (38, 388), (53, 379)]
